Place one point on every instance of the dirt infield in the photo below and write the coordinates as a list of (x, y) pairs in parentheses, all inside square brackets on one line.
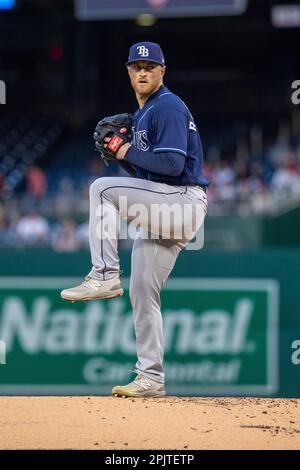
[(164, 423)]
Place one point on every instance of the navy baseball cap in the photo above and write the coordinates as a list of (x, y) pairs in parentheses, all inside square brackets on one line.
[(150, 51)]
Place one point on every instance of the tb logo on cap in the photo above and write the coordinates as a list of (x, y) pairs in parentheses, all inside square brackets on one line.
[(143, 51)]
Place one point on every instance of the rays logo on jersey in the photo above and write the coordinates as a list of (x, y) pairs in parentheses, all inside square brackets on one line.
[(140, 140)]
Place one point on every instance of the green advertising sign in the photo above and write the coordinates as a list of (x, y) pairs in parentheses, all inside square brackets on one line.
[(221, 337)]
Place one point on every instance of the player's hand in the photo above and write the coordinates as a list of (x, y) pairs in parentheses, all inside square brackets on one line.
[(122, 150), (112, 136)]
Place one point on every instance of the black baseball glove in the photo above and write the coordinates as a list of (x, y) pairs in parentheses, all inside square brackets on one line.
[(118, 129)]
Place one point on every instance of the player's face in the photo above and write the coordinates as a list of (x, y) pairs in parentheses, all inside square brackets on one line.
[(146, 77)]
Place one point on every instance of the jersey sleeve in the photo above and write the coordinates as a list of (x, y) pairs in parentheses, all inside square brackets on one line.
[(171, 126)]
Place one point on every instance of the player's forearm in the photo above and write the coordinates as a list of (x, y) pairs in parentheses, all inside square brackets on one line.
[(162, 163)]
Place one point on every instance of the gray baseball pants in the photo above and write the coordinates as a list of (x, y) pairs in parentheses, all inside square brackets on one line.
[(155, 249)]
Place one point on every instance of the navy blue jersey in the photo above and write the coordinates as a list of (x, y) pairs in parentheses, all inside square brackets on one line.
[(165, 124)]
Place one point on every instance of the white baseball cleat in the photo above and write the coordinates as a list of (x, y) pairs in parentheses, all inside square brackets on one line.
[(93, 289), (141, 387)]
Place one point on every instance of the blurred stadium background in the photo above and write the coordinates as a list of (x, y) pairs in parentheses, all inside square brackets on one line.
[(231, 310)]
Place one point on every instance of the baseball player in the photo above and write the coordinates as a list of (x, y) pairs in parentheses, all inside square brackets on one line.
[(164, 158)]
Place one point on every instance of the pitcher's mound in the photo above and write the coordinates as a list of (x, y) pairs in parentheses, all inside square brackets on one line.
[(148, 423)]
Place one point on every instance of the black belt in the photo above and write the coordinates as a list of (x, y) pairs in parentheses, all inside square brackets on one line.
[(197, 186)]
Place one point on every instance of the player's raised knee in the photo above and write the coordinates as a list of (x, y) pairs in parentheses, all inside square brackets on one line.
[(99, 185)]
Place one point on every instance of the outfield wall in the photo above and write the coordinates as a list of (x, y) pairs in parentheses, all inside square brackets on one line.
[(231, 325)]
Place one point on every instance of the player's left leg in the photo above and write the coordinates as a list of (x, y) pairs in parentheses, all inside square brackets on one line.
[(103, 281), (112, 198)]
